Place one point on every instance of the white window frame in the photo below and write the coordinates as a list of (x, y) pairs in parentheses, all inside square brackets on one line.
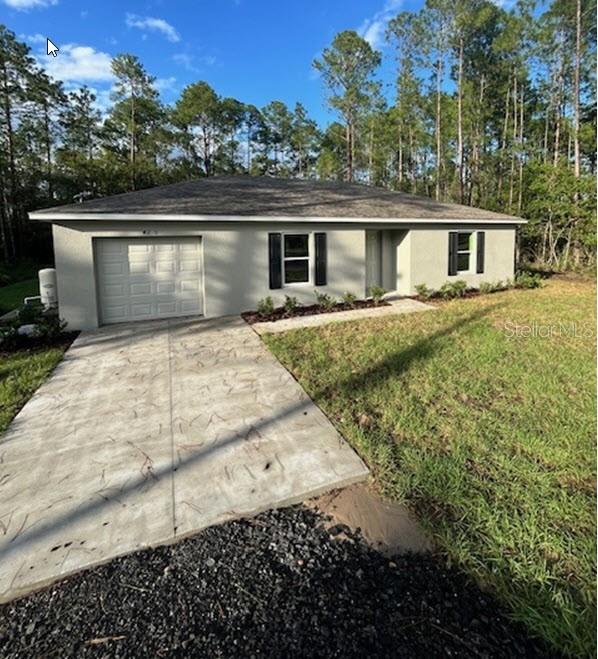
[(309, 258), (471, 251)]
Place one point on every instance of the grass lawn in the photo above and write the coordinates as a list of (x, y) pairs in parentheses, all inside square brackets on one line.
[(12, 296), (21, 373), (488, 437)]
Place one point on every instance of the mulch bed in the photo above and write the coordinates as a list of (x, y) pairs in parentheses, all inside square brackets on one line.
[(280, 313), (34, 344), (278, 585)]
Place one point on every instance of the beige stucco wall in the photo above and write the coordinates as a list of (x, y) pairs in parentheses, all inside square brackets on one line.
[(421, 257), (235, 263)]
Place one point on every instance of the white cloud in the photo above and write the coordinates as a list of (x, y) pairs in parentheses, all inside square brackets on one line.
[(185, 61), (188, 61), (373, 29), (165, 84), (153, 24), (504, 4), (76, 63), (25, 5), (33, 38)]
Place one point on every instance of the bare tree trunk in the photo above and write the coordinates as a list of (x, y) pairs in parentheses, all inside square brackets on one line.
[(400, 161), (460, 121), (438, 125), (503, 145), (371, 153), (545, 142), (48, 137), (475, 167), (513, 147), (576, 156), (10, 200), (349, 140), (133, 146), (520, 190), (558, 108), (412, 162)]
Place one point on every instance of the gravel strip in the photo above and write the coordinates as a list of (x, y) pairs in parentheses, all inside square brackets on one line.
[(276, 585)]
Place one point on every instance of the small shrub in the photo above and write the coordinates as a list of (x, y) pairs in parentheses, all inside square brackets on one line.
[(265, 307), (492, 286), (324, 300), (29, 314), (453, 289), (424, 292), (377, 293), (50, 327), (290, 303), (9, 338), (349, 299), (526, 279)]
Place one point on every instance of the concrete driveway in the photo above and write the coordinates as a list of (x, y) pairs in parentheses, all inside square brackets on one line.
[(149, 432)]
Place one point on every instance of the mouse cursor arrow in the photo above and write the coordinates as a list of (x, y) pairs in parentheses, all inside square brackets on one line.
[(52, 48)]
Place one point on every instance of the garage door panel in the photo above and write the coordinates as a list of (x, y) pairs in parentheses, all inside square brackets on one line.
[(140, 279), (189, 266), (165, 266), (115, 314), (190, 306), (140, 288), (165, 287)]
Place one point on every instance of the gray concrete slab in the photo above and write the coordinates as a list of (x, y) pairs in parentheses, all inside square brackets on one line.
[(149, 432), (394, 308)]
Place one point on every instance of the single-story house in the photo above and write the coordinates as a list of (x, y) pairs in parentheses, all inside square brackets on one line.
[(216, 246)]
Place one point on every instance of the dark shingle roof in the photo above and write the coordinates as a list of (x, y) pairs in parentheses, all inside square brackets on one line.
[(269, 197)]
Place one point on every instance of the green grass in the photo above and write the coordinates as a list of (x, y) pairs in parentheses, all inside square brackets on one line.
[(12, 296), (490, 439), (21, 373)]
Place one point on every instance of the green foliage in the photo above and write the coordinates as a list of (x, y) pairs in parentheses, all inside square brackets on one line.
[(30, 313), (265, 307), (424, 292), (562, 215), (526, 279), (349, 299), (377, 293), (325, 301), (290, 303), (453, 289), (492, 286), (49, 327)]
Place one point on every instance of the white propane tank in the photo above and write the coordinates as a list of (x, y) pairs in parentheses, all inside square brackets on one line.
[(47, 288)]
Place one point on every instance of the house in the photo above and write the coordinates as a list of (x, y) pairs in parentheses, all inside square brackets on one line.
[(216, 246)]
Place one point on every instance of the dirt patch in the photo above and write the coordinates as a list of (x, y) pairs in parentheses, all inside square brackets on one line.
[(280, 313), (388, 527)]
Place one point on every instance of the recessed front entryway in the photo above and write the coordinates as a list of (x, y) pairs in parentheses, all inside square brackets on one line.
[(147, 278)]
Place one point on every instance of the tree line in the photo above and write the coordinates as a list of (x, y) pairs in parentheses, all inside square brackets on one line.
[(491, 108)]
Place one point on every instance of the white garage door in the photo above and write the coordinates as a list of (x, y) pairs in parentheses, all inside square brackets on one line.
[(145, 278)]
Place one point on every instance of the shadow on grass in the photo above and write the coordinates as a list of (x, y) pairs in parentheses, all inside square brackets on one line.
[(399, 362)]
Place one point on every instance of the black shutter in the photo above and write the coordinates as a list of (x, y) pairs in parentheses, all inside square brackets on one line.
[(275, 254), (481, 242), (321, 259), (452, 255)]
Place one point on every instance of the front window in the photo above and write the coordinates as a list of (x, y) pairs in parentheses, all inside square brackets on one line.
[(464, 252), (296, 263)]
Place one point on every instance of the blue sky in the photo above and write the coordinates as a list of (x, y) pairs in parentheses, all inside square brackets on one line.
[(254, 50)]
